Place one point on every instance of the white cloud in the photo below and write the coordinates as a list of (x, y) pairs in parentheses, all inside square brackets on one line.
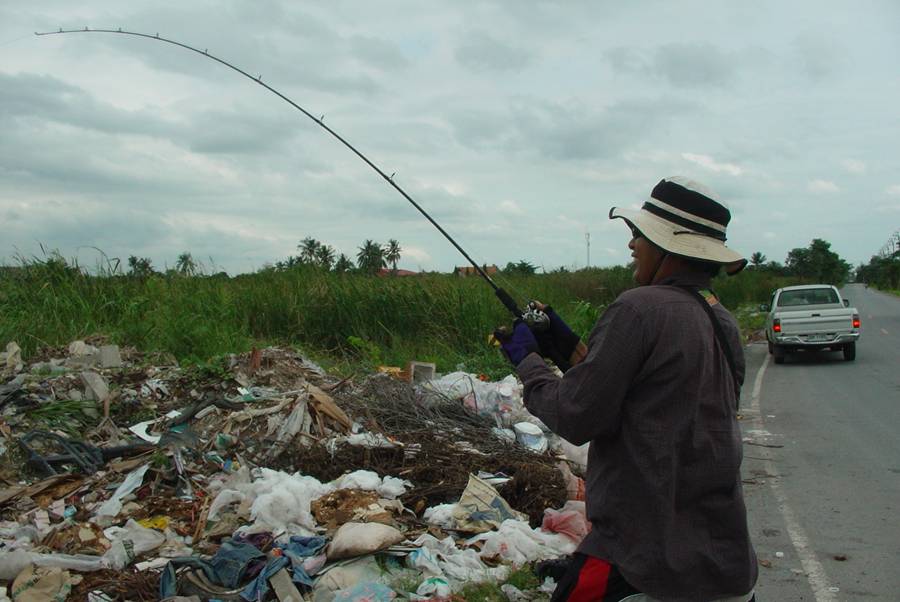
[(822, 186), (511, 207), (138, 148), (711, 164), (415, 255), (854, 166), (769, 235)]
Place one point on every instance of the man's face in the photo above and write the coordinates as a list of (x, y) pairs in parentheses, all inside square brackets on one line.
[(646, 257)]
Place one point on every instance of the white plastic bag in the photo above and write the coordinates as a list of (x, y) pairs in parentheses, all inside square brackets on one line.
[(389, 487), (501, 398), (441, 516), (113, 505), (518, 543), (12, 563), (130, 541)]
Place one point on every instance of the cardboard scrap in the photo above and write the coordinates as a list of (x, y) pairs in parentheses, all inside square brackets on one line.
[(32, 490), (481, 508), (41, 584), (324, 404)]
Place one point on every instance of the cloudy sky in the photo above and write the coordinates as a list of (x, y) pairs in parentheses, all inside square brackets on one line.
[(515, 124)]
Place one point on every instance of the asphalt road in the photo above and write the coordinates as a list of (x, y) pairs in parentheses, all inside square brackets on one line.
[(822, 464)]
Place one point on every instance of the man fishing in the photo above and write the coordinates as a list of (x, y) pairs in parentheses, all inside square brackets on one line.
[(655, 392)]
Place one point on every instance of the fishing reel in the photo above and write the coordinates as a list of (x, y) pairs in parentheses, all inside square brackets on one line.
[(535, 317)]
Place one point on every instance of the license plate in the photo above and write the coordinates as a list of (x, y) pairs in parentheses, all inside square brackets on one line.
[(818, 337)]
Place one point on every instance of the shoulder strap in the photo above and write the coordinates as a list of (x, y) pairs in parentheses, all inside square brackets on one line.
[(720, 336)]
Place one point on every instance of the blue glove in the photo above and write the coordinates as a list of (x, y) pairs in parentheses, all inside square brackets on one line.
[(563, 338), (519, 344)]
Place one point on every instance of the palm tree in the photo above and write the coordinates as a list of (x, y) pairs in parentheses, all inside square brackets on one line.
[(392, 254), (186, 266), (308, 247), (139, 266), (370, 257), (325, 256), (757, 259)]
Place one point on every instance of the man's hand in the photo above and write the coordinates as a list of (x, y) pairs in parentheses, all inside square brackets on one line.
[(517, 344), (558, 342)]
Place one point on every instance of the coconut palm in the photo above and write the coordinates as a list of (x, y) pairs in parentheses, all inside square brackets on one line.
[(370, 257), (186, 266), (757, 259), (392, 254), (325, 256), (308, 248)]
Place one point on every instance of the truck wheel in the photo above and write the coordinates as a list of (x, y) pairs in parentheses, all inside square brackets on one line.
[(849, 352), (778, 353)]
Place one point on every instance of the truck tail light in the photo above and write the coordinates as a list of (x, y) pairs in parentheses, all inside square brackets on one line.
[(855, 320), (776, 325)]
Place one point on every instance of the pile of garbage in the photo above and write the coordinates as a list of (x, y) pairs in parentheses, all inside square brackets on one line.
[(262, 477)]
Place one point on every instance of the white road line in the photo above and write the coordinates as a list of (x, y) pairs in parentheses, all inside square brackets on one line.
[(884, 331), (815, 572)]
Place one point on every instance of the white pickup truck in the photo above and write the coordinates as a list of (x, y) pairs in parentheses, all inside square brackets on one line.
[(811, 317)]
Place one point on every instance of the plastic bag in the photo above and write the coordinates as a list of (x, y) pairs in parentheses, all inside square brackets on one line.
[(113, 505), (498, 398), (569, 521), (440, 516), (441, 558), (518, 543), (12, 563), (281, 501), (130, 541), (434, 588), (389, 487)]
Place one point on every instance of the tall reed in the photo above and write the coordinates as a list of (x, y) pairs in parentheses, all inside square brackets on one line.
[(436, 317)]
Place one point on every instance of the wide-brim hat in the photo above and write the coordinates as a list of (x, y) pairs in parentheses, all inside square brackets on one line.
[(684, 218)]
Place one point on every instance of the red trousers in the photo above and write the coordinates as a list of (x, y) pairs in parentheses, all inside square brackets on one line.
[(590, 579)]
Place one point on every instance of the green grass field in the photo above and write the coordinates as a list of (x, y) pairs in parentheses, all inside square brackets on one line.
[(347, 321)]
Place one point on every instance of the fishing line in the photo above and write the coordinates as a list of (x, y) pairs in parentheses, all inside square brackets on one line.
[(8, 42), (504, 297)]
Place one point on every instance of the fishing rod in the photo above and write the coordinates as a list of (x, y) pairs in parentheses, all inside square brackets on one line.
[(532, 315)]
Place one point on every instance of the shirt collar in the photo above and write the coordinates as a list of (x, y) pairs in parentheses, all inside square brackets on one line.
[(686, 279)]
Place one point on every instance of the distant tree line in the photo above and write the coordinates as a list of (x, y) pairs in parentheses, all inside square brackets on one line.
[(881, 271), (142, 267), (815, 263), (371, 257)]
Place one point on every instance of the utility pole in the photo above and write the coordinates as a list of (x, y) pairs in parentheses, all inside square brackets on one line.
[(587, 240)]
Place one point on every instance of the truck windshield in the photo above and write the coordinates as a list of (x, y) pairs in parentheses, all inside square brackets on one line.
[(810, 296)]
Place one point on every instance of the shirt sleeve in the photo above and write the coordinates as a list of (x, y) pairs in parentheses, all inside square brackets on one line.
[(586, 402)]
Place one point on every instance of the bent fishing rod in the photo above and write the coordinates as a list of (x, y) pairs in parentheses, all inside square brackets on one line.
[(532, 315)]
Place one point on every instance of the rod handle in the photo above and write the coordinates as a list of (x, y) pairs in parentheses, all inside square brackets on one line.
[(508, 302)]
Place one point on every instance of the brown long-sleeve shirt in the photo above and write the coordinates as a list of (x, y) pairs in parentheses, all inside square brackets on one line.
[(656, 399)]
